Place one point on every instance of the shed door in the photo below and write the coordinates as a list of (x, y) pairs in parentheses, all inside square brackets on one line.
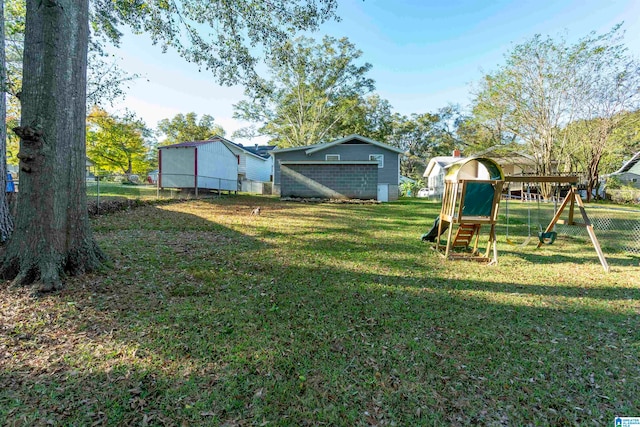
[(383, 192)]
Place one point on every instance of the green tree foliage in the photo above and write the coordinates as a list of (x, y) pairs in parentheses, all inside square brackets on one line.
[(371, 118), (424, 136), (14, 19), (627, 136), (182, 128), (222, 36), (530, 96), (105, 80), (313, 92), (547, 84), (608, 87), (14, 14), (485, 127), (117, 144)]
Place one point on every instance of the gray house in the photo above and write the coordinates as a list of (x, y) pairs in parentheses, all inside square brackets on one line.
[(353, 167), (629, 173)]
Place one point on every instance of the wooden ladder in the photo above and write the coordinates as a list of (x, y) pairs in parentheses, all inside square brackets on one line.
[(465, 234)]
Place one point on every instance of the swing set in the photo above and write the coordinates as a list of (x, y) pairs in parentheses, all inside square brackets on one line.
[(547, 238), (572, 199), (472, 192)]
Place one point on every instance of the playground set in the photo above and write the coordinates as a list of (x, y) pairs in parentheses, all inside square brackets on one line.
[(472, 192)]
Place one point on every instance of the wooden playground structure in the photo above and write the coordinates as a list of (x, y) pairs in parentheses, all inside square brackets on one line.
[(472, 193), (470, 200)]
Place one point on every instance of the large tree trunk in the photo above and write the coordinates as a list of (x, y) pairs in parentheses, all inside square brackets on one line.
[(6, 222), (52, 236)]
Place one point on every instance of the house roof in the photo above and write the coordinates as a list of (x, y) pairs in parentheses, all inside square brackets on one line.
[(629, 165), (407, 179), (442, 161), (188, 144), (258, 152), (503, 155), (310, 149)]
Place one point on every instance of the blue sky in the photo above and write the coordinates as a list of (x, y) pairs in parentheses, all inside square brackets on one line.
[(425, 53)]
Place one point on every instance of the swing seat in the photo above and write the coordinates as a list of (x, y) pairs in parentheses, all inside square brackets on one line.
[(547, 238)]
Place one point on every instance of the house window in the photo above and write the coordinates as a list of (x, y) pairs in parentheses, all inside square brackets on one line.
[(377, 158), (332, 157)]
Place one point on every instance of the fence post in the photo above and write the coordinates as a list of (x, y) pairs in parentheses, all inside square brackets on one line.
[(98, 193)]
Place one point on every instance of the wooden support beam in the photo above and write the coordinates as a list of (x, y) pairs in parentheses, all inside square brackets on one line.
[(574, 198), (592, 234), (542, 178)]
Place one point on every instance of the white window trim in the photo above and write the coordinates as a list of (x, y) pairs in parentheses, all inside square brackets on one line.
[(335, 157), (377, 158)]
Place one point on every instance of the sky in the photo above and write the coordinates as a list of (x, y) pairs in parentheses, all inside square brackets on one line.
[(425, 54)]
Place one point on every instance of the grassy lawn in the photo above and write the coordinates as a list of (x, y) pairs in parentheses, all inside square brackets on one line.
[(321, 314), (108, 190)]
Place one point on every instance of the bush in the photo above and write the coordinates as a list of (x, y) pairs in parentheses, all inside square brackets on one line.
[(410, 189), (614, 183), (624, 195)]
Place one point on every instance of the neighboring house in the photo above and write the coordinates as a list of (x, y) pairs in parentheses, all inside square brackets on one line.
[(629, 173), (152, 177), (254, 164), (436, 171), (352, 167), (511, 162), (198, 164), (89, 167), (404, 179)]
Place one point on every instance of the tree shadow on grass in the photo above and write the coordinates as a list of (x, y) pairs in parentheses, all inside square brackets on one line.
[(202, 324), (319, 344)]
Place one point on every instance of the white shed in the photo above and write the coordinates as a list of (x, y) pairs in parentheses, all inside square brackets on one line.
[(198, 164)]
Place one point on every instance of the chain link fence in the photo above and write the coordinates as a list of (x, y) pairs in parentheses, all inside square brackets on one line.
[(110, 188), (103, 188), (616, 227), (157, 187)]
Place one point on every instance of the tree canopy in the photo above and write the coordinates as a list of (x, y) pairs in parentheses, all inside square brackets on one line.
[(423, 136), (547, 85), (105, 80), (117, 144), (6, 222), (313, 90), (187, 127), (227, 38)]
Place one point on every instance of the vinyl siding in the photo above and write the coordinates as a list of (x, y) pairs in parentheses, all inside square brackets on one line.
[(257, 169)]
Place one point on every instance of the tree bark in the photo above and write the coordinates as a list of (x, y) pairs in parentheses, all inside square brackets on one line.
[(6, 222), (52, 236)]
